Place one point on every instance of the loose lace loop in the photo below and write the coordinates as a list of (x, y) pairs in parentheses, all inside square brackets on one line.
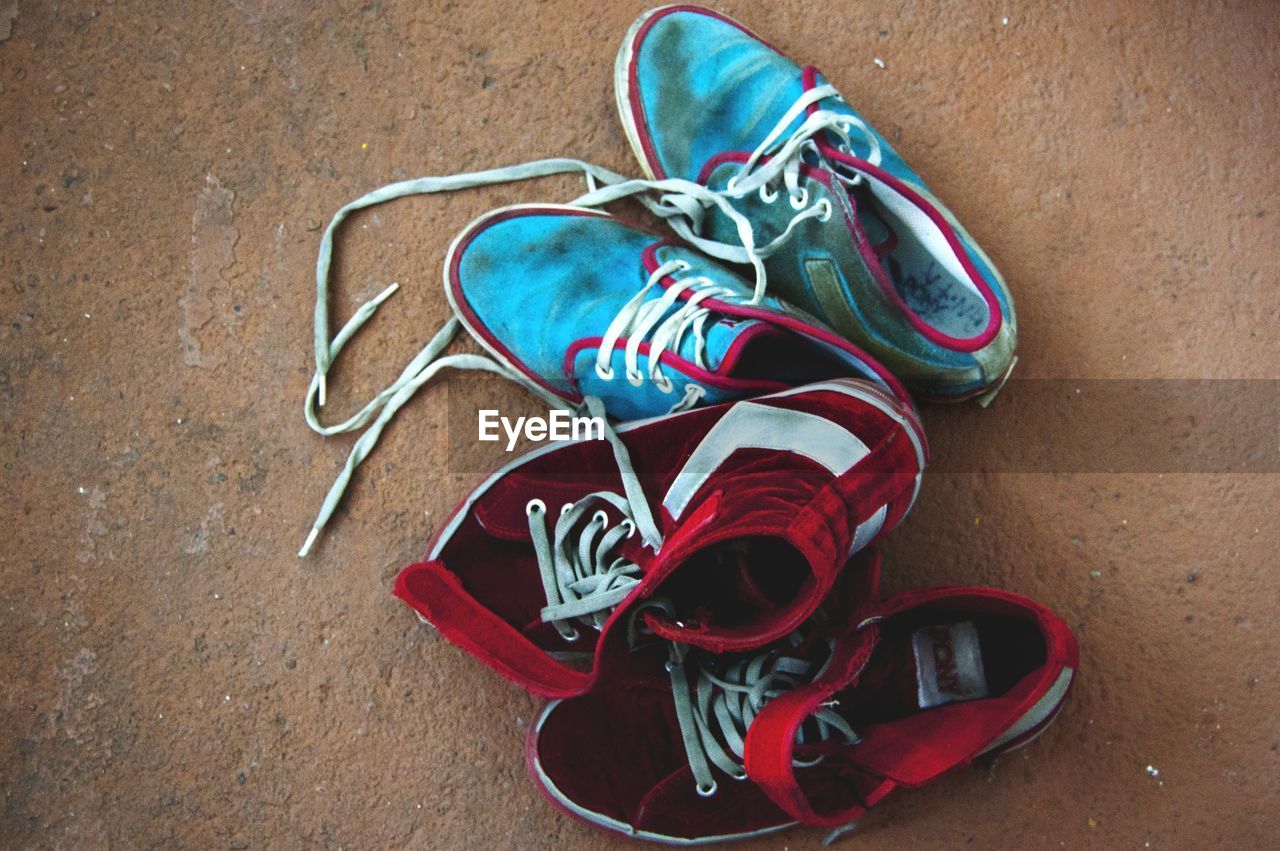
[(583, 581)]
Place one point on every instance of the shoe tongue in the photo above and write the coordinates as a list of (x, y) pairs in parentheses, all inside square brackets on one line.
[(874, 229)]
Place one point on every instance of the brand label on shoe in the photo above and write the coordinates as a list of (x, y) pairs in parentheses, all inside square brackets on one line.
[(948, 664)]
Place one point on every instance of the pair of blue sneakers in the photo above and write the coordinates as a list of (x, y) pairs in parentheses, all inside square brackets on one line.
[(804, 249)]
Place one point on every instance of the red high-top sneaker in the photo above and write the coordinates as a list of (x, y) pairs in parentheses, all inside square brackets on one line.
[(686, 746), (720, 527)]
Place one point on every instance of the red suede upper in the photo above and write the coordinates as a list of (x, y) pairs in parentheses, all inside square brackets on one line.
[(482, 588)]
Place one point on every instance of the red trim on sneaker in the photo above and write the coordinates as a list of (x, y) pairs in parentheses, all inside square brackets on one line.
[(811, 328), (995, 315), (748, 386)]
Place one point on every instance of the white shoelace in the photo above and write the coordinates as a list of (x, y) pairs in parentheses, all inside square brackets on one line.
[(785, 159), (380, 410), (682, 203), (582, 577), (715, 712), (583, 581), (642, 316)]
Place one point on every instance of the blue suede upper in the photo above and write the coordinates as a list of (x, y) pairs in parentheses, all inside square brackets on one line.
[(692, 70), (541, 280)]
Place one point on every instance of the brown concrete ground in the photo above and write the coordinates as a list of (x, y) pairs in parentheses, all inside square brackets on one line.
[(174, 676)]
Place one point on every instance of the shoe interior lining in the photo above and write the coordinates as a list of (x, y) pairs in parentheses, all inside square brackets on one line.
[(888, 689), (739, 584), (887, 693), (788, 358), (921, 265)]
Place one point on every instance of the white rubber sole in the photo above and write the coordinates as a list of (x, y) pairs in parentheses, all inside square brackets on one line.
[(621, 90)]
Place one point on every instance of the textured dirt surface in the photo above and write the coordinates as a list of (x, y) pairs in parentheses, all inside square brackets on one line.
[(172, 675)]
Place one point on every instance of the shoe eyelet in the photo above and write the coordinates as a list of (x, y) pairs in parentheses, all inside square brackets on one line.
[(767, 196), (799, 204), (636, 378), (600, 517), (825, 216), (707, 791), (631, 527), (566, 508), (731, 184), (606, 374), (683, 265), (664, 383), (535, 505), (740, 774)]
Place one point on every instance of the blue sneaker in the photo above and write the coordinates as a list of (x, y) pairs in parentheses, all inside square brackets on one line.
[(581, 304), (856, 240)]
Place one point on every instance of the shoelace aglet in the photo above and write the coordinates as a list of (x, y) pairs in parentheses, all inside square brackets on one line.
[(320, 391), (311, 539), (840, 832)]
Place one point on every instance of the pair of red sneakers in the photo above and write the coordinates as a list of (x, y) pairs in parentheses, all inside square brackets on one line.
[(698, 595)]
